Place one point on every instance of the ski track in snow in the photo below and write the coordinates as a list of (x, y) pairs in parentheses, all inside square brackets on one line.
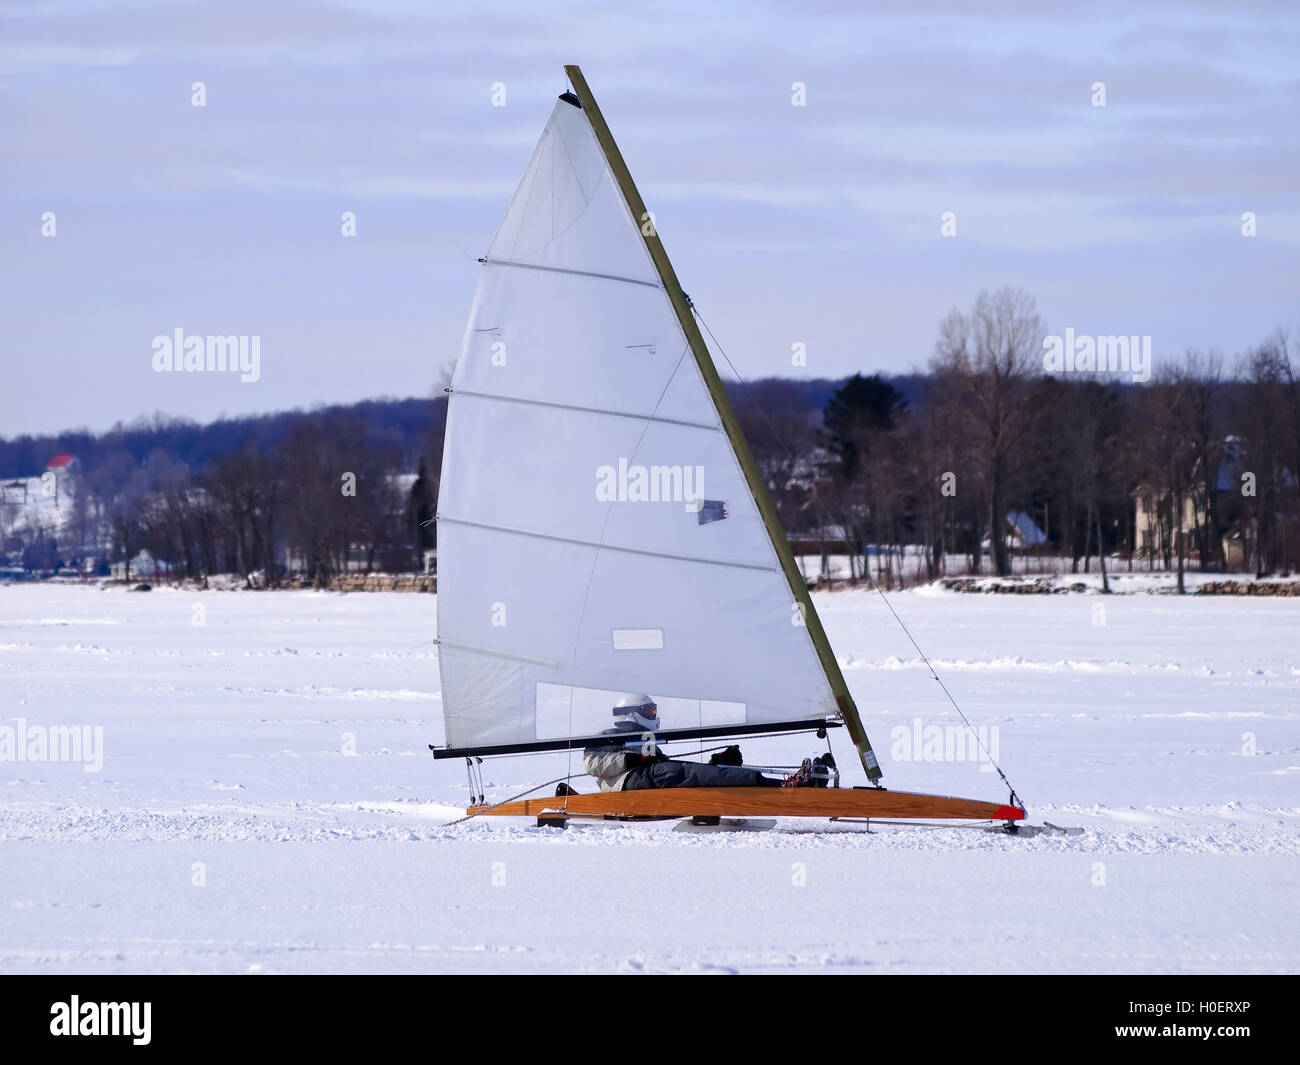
[(278, 754)]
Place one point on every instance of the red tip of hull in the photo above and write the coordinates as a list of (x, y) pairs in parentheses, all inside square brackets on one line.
[(1009, 813)]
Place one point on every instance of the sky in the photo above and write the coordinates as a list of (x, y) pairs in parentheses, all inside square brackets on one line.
[(815, 221)]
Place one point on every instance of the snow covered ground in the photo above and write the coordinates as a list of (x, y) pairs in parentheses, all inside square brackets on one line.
[(1142, 578), (267, 802)]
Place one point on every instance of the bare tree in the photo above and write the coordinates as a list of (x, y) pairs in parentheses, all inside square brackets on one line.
[(1272, 402), (986, 359), (1203, 420), (246, 492)]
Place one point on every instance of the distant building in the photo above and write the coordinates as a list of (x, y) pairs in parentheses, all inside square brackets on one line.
[(1023, 533), (1151, 526), (43, 502), (829, 539), (64, 464), (144, 565), (1236, 550), (1154, 525), (14, 492), (1019, 532)]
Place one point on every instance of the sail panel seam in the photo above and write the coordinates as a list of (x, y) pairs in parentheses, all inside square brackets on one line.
[(578, 273), (545, 663)]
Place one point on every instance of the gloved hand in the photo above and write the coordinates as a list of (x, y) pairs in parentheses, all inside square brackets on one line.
[(731, 756)]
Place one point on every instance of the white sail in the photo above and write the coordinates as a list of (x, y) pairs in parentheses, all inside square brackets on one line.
[(596, 533)]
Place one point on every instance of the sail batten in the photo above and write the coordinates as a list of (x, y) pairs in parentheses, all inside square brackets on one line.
[(494, 653), (577, 273), (635, 416), (605, 545)]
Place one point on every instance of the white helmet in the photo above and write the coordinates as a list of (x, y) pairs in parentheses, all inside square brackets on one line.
[(640, 709)]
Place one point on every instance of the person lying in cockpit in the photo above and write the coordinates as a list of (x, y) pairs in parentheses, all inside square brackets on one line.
[(637, 761)]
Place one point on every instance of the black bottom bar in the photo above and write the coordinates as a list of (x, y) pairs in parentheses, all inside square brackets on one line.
[(1248, 1017)]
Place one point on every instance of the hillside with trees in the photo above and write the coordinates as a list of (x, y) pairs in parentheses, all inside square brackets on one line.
[(978, 459)]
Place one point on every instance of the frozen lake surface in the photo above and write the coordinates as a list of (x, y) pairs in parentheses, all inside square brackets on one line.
[(267, 803)]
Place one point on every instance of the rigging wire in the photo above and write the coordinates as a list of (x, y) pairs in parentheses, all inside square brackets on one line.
[(512, 798), (866, 569)]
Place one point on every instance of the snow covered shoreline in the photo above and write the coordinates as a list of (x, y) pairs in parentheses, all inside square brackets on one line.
[(267, 801), (1121, 583), (1124, 584)]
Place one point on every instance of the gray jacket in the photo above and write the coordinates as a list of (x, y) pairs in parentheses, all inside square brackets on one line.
[(607, 763)]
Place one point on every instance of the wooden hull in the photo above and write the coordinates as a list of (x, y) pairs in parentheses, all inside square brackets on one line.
[(752, 802)]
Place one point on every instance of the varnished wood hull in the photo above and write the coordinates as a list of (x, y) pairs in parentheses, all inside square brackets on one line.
[(753, 802)]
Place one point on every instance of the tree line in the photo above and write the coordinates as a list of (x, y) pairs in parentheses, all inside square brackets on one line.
[(1200, 466), (302, 496), (1195, 468)]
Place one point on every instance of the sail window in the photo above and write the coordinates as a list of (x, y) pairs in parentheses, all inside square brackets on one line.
[(712, 510), (564, 710), (638, 639)]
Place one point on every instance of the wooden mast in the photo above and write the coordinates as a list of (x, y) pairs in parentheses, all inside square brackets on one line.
[(682, 308)]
